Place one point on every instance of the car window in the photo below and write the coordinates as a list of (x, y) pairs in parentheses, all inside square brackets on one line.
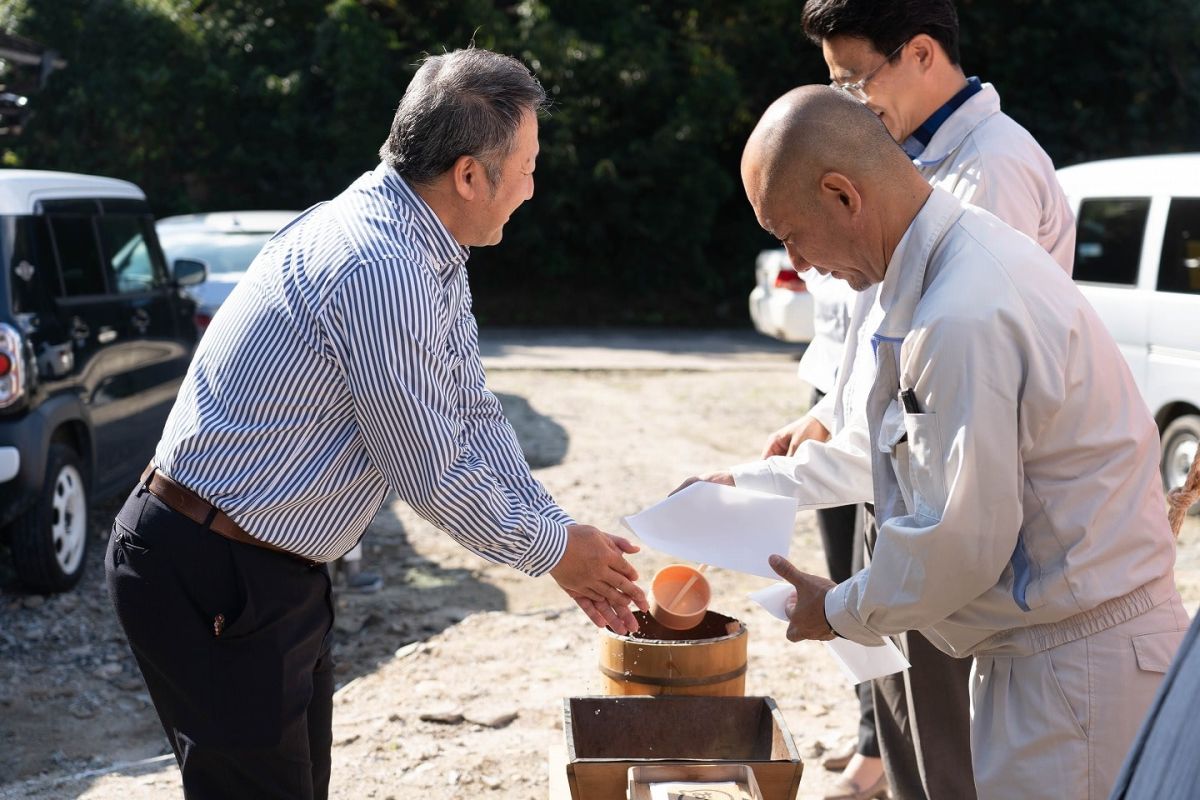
[(223, 252), (1108, 239), (78, 252), (1179, 268), (34, 278), (131, 267)]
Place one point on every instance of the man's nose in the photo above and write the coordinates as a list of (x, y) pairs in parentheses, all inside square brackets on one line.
[(798, 262)]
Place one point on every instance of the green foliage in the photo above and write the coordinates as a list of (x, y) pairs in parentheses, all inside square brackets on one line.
[(639, 215)]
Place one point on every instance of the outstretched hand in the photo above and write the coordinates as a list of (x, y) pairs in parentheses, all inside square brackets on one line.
[(806, 610), (595, 574), (723, 478), (784, 441)]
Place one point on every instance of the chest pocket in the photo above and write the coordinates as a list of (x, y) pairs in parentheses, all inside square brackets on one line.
[(914, 444)]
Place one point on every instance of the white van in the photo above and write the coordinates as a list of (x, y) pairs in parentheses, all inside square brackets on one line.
[(1137, 259)]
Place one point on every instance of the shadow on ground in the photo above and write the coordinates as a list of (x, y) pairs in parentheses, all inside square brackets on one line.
[(543, 441), (73, 704)]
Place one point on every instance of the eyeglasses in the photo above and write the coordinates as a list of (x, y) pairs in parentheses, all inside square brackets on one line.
[(858, 89)]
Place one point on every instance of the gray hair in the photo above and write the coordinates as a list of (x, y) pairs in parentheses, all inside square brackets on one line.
[(466, 102)]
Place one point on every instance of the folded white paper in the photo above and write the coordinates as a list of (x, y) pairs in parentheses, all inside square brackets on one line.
[(722, 526), (774, 598), (858, 662), (861, 663)]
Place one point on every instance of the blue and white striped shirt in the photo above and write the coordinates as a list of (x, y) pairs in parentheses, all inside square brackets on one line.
[(347, 362)]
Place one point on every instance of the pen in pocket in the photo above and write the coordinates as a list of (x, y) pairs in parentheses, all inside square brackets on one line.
[(909, 399)]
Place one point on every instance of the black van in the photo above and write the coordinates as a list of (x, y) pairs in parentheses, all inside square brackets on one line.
[(95, 338)]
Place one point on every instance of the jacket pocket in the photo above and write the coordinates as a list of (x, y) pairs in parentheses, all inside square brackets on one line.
[(926, 464), (893, 440), (1155, 651)]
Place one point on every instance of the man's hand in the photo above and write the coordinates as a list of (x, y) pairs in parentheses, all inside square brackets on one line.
[(724, 478), (784, 441), (594, 573), (807, 611)]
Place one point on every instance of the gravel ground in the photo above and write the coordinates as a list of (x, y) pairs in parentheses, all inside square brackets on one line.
[(452, 677)]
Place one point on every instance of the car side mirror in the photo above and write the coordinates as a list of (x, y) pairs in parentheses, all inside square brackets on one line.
[(189, 271)]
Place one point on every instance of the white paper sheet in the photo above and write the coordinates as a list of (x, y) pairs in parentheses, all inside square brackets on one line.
[(858, 662), (722, 526), (668, 790)]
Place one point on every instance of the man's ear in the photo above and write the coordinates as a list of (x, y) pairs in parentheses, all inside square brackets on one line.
[(469, 177), (841, 190), (925, 51)]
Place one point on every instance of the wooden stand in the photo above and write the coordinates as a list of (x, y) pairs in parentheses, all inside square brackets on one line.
[(606, 736)]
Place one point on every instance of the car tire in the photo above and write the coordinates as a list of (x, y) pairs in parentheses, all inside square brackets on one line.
[(1179, 443), (49, 541)]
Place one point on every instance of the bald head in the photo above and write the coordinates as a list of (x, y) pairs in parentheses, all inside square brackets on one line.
[(813, 130), (827, 179)]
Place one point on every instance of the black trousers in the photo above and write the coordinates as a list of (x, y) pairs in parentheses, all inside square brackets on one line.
[(234, 644), (924, 718), (842, 538)]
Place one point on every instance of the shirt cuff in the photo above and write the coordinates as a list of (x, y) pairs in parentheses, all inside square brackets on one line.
[(822, 411), (549, 545), (759, 476), (838, 603), (556, 514)]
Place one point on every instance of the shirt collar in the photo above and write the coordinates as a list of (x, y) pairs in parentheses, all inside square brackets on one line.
[(904, 281), (443, 249), (916, 144)]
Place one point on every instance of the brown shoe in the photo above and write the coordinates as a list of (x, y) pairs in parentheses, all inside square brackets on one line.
[(846, 789), (838, 761)]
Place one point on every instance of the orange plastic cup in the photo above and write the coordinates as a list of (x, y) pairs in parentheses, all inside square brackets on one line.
[(679, 597)]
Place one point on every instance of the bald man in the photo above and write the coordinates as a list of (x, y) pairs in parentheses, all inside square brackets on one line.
[(1012, 463), (901, 59)]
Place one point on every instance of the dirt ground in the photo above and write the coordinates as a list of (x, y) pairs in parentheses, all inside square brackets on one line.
[(452, 678)]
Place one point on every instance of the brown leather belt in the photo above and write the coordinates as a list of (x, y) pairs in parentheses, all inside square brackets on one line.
[(191, 505)]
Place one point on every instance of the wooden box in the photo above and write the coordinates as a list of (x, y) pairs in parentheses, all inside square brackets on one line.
[(741, 777), (605, 736)]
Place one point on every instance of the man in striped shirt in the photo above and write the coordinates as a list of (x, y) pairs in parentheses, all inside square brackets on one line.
[(344, 366)]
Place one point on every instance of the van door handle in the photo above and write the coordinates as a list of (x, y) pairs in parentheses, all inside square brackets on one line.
[(106, 335)]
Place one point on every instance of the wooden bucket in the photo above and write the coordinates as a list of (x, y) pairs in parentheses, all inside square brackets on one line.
[(708, 660)]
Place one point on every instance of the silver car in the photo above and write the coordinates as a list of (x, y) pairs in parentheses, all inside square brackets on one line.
[(780, 304), (227, 241)]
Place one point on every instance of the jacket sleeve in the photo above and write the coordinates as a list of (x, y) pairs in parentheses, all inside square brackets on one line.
[(819, 474), (426, 422), (822, 411)]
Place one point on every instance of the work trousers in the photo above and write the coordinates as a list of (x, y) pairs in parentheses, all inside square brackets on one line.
[(841, 535), (923, 716), (234, 644), (841, 532), (1056, 707), (1165, 759)]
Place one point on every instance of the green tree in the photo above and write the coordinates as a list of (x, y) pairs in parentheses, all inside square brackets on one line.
[(639, 216)]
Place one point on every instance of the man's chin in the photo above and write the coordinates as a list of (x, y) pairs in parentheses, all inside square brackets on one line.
[(494, 239)]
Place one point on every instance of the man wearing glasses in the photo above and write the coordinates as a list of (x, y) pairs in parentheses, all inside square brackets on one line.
[(900, 58)]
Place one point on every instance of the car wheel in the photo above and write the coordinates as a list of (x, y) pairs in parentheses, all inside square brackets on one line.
[(49, 541), (1179, 444)]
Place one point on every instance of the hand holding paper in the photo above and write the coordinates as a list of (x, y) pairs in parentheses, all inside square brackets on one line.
[(807, 618), (858, 662)]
